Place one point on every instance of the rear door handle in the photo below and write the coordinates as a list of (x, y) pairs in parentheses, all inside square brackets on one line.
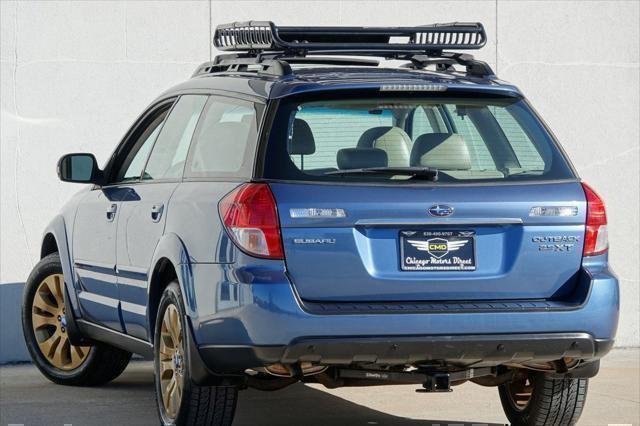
[(111, 212), (156, 212)]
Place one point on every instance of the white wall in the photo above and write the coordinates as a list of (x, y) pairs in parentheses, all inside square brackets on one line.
[(75, 74)]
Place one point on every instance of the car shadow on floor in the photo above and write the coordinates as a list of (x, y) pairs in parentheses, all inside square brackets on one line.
[(303, 405), (295, 405), (130, 399)]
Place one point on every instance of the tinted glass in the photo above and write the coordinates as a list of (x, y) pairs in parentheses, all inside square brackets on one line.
[(76, 167), (134, 161), (334, 129), (471, 139), (170, 150), (222, 137), (426, 120), (523, 147), (481, 158)]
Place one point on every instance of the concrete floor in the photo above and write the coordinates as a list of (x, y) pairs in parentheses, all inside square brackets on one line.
[(27, 398)]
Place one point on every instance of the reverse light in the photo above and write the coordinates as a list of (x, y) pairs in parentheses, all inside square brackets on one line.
[(250, 216), (596, 239)]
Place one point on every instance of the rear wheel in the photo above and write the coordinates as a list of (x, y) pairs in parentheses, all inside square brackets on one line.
[(179, 401), (532, 398), (44, 325)]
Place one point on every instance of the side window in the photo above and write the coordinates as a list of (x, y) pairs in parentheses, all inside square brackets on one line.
[(134, 162), (222, 137), (170, 150)]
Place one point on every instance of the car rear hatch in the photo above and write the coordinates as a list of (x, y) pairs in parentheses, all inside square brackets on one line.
[(422, 197), (366, 255)]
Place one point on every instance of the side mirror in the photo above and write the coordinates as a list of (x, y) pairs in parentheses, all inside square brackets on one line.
[(79, 168)]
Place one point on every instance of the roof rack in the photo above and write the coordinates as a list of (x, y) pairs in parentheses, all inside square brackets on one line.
[(272, 63), (445, 60), (268, 49), (264, 35)]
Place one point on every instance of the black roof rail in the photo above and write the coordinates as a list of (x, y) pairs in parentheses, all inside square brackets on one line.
[(272, 64), (266, 36), (242, 62)]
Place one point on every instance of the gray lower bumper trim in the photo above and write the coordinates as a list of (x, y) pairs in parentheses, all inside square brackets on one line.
[(465, 350)]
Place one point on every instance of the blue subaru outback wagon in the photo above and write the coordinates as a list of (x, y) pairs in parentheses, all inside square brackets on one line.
[(297, 211)]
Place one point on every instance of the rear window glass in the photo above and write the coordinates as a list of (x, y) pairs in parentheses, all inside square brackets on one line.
[(333, 130), (464, 139)]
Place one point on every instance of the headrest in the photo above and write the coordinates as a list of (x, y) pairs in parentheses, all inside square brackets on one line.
[(359, 158), (371, 135), (301, 142), (443, 151)]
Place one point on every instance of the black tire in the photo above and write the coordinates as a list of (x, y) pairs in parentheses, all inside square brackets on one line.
[(199, 405), (555, 402), (103, 362)]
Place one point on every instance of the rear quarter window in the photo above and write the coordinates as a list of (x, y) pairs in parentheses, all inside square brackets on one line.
[(223, 141)]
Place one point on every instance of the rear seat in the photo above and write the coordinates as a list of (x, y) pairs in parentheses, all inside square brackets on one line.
[(448, 153), (303, 143), (361, 158), (393, 140)]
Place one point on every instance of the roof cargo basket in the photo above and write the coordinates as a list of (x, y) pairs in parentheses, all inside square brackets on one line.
[(263, 47), (265, 36)]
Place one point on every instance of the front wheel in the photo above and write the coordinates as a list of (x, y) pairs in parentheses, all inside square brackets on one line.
[(532, 398), (181, 402)]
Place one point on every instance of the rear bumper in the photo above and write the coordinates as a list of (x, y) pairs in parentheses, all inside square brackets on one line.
[(479, 350), (256, 319)]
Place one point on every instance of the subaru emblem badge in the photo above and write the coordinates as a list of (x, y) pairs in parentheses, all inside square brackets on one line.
[(441, 210)]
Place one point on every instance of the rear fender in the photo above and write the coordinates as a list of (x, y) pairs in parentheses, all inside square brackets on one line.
[(171, 248)]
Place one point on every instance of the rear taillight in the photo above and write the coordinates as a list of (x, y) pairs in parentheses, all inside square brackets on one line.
[(249, 214), (596, 240)]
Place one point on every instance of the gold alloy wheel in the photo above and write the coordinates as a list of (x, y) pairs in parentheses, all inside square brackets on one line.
[(520, 390), (171, 361), (49, 326)]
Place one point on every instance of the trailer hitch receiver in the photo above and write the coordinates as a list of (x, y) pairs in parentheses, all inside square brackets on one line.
[(436, 382)]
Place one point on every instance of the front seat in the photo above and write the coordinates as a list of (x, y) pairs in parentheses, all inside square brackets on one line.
[(393, 140)]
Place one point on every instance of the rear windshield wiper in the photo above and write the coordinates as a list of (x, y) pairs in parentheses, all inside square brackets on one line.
[(415, 172)]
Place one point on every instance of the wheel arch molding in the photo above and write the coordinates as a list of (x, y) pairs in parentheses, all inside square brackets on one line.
[(170, 261), (55, 238)]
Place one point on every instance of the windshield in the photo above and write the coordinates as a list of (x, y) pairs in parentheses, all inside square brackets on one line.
[(396, 139)]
